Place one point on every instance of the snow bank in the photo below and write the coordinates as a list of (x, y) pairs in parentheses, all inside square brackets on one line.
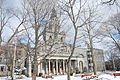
[(102, 76)]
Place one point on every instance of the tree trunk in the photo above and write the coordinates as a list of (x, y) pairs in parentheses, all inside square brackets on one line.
[(68, 73), (92, 53), (113, 63), (72, 51), (35, 56), (34, 74), (13, 65)]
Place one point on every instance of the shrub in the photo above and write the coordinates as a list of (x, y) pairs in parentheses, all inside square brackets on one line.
[(77, 70), (40, 74), (71, 72), (85, 69)]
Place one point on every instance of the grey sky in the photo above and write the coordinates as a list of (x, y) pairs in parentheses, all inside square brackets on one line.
[(13, 3), (106, 11)]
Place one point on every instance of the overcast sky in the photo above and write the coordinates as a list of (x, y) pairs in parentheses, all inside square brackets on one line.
[(106, 11)]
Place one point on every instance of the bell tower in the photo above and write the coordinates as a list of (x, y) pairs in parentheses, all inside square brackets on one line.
[(52, 32), (54, 23)]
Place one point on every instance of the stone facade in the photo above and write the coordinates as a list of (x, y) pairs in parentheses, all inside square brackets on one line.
[(57, 64)]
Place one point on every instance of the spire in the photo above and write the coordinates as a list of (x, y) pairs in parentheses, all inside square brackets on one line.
[(53, 14), (54, 22)]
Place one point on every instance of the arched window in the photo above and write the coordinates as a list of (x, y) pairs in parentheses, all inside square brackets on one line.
[(2, 68), (81, 66), (81, 56), (50, 37), (61, 39)]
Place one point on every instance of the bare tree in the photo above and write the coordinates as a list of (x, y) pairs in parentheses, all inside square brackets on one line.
[(38, 14), (111, 3), (111, 30), (90, 32), (75, 15), (5, 16)]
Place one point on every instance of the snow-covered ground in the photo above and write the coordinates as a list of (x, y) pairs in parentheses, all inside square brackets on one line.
[(61, 77), (101, 76)]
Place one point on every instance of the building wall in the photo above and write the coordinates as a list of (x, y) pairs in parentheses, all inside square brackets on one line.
[(99, 60)]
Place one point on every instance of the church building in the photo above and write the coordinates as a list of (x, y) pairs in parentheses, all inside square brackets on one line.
[(52, 55), (58, 51)]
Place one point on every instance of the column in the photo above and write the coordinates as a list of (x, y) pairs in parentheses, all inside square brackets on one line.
[(66, 67), (63, 66), (39, 70), (60, 67), (29, 67), (46, 68), (49, 67), (71, 67), (56, 66), (41, 67), (78, 64)]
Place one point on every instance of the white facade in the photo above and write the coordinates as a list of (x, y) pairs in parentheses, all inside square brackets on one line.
[(58, 51)]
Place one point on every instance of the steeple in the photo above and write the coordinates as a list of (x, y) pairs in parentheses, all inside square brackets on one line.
[(53, 14), (54, 23), (53, 29)]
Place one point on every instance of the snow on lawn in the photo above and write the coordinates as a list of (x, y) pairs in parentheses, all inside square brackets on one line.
[(61, 77), (101, 76), (64, 77)]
